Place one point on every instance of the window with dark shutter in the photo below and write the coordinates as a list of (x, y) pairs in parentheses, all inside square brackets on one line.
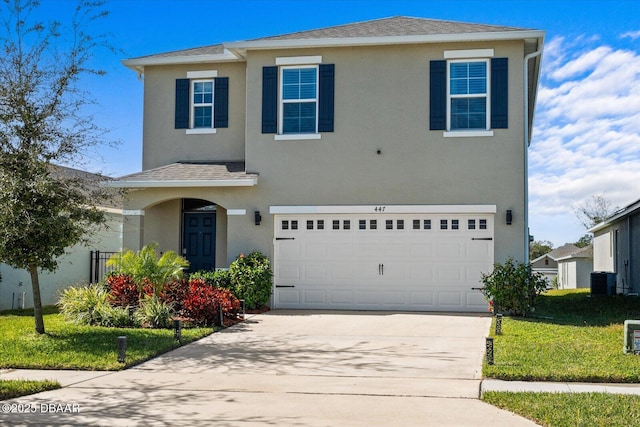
[(438, 95), (221, 103), (499, 93), (182, 104), (269, 99), (325, 97)]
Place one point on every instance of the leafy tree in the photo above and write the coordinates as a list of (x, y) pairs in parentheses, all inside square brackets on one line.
[(594, 211), (43, 211), (584, 241), (539, 248)]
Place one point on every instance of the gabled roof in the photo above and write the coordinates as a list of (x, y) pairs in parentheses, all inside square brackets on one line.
[(586, 252), (620, 214), (563, 251), (393, 30), (393, 27), (189, 174)]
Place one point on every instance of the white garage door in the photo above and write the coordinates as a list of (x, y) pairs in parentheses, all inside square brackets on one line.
[(383, 261)]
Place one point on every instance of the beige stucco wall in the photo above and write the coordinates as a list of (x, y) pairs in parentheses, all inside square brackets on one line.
[(73, 269), (162, 144), (416, 166)]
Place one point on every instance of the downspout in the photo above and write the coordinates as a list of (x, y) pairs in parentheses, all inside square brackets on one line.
[(527, 142)]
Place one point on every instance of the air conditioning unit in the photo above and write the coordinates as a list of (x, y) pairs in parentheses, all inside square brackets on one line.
[(603, 283)]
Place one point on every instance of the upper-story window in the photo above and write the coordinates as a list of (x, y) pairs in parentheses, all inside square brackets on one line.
[(202, 116), (298, 98), (202, 102), (468, 93), (468, 100)]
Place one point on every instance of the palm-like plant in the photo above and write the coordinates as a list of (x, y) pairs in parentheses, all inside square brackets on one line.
[(145, 266)]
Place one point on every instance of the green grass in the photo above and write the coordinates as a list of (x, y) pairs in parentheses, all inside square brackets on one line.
[(16, 388), (69, 346), (572, 337), (571, 409)]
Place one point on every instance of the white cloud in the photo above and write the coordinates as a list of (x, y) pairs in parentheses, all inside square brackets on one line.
[(631, 34), (587, 133)]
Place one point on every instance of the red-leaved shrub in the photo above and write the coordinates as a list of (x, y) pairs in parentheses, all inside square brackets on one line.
[(122, 291), (202, 303), (175, 293)]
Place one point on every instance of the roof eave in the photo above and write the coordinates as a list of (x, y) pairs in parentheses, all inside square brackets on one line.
[(241, 182), (240, 48), (138, 64), (623, 213)]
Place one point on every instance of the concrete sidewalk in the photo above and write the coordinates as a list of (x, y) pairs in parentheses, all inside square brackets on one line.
[(490, 384), (289, 368)]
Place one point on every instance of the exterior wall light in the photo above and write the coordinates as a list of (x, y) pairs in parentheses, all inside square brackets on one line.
[(509, 216), (257, 217)]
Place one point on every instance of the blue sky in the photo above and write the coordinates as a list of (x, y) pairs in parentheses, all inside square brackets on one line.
[(586, 137)]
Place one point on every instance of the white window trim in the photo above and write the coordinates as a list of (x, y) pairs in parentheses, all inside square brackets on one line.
[(297, 136), (205, 74), (293, 136), (486, 96), (192, 105), (299, 60), (467, 134), (469, 53)]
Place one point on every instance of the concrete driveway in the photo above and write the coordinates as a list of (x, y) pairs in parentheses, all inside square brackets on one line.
[(297, 368)]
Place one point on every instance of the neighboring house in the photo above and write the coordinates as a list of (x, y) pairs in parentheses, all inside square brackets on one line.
[(616, 247), (380, 164), (74, 267), (575, 268), (547, 264)]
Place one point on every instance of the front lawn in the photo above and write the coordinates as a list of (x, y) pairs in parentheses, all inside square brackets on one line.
[(16, 388), (70, 346), (570, 409), (571, 337)]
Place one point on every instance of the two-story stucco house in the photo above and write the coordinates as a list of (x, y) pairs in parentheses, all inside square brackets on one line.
[(380, 164)]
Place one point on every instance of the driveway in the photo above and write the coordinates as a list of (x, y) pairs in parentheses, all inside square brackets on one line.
[(298, 368)]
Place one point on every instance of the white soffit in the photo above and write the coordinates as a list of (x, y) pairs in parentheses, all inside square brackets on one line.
[(383, 209)]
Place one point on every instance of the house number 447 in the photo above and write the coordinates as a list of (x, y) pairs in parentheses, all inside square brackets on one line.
[(379, 208)]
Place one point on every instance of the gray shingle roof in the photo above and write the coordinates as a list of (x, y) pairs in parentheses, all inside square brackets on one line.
[(392, 27), (191, 171), (385, 27)]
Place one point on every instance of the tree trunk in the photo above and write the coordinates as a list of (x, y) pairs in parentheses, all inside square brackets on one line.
[(37, 302)]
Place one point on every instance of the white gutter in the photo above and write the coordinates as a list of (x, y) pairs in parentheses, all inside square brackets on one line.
[(527, 142)]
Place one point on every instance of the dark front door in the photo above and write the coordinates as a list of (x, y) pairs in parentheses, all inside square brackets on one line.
[(200, 240)]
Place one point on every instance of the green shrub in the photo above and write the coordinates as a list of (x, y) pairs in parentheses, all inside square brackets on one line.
[(251, 279), (513, 287), (147, 266), (154, 312), (84, 305), (115, 317), (217, 278), (90, 305)]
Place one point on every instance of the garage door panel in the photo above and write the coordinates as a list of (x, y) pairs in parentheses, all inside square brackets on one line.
[(449, 299), (410, 262), (315, 297), (422, 299)]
